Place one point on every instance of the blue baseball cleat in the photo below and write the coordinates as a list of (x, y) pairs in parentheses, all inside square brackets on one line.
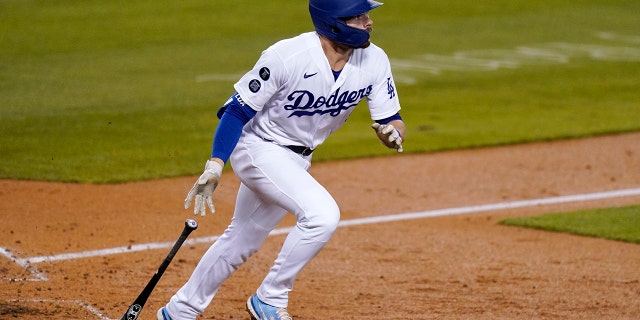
[(262, 311)]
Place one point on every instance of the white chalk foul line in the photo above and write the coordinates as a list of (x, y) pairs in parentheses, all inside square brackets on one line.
[(345, 223), (24, 263), (495, 207)]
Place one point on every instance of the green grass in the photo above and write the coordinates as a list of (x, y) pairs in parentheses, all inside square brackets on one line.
[(621, 223), (108, 91)]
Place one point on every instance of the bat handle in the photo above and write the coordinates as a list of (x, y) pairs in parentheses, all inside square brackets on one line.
[(189, 226), (134, 310)]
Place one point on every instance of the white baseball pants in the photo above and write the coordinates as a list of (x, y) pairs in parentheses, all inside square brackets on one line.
[(274, 181)]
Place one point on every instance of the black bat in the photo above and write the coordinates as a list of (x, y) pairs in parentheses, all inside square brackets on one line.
[(134, 309)]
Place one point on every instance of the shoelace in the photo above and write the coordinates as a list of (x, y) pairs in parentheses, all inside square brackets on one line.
[(283, 314)]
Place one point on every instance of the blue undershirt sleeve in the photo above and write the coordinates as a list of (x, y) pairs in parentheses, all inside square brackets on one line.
[(234, 114), (389, 119)]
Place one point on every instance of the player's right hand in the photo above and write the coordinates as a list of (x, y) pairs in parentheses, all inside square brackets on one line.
[(203, 189)]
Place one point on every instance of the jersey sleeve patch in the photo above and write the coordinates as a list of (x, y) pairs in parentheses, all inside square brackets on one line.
[(265, 73), (255, 85)]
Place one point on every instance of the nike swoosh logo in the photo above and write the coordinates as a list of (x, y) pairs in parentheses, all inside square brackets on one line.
[(309, 75)]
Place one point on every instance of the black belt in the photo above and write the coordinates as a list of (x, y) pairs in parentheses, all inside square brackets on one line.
[(305, 151)]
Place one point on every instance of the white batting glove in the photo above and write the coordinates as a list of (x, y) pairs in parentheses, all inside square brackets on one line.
[(389, 135), (203, 189)]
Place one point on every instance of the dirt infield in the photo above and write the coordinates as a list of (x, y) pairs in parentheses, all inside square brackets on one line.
[(458, 266)]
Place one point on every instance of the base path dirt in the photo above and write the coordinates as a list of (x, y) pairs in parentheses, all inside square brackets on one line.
[(463, 265)]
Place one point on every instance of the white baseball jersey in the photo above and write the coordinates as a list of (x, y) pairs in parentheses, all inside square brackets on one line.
[(298, 102), (297, 98)]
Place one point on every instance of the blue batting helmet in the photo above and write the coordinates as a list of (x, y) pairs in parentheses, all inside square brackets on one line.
[(328, 18)]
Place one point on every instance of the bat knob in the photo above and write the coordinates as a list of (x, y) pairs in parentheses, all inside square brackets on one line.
[(191, 224)]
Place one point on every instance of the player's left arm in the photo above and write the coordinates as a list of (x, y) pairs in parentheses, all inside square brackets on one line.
[(383, 102)]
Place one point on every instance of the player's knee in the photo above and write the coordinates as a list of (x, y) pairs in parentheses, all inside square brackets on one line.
[(330, 219), (322, 222)]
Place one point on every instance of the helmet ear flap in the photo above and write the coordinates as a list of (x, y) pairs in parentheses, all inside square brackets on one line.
[(326, 17)]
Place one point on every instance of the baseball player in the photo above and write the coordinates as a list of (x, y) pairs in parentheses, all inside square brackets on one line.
[(300, 91)]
